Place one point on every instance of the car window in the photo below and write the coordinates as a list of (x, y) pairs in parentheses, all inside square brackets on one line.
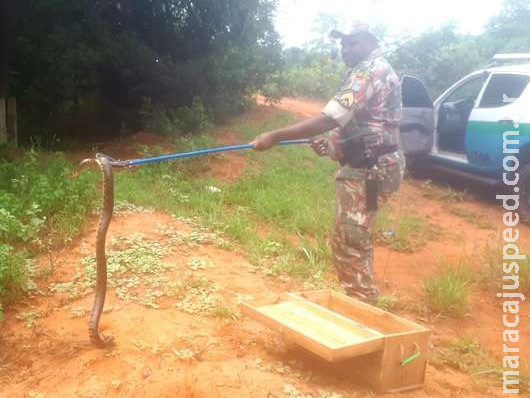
[(503, 89), (414, 93), (469, 90)]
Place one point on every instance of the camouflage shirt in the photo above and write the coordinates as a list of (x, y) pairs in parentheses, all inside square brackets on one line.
[(369, 104)]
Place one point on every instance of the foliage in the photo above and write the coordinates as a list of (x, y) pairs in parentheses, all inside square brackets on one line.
[(464, 354), (510, 31), (442, 56), (175, 122), (88, 68), (492, 272), (85, 66), (439, 56), (468, 355), (403, 230), (448, 293), (266, 195), (39, 205), (38, 191), (13, 279), (318, 76), (386, 303), (313, 71)]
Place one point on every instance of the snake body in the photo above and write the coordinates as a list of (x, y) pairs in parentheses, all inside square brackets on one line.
[(105, 166)]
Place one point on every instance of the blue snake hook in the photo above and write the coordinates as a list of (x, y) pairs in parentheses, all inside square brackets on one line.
[(137, 162)]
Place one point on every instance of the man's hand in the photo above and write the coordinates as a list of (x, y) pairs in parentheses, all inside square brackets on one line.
[(264, 141), (304, 129), (320, 146), (328, 146)]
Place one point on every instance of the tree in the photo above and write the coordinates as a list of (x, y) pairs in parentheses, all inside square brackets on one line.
[(439, 57), (91, 64), (510, 30)]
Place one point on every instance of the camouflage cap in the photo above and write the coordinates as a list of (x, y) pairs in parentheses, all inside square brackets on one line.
[(356, 28)]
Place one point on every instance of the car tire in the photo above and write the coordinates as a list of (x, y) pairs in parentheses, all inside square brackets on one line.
[(416, 165), (524, 194)]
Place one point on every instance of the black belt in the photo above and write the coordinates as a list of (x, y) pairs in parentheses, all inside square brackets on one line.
[(366, 156), (363, 157)]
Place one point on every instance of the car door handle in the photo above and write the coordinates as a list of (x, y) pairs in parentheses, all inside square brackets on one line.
[(505, 121)]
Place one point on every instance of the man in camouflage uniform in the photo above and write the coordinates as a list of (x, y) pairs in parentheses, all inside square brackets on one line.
[(364, 119)]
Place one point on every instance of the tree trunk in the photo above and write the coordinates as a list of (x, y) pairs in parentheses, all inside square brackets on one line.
[(4, 69), (3, 124), (11, 117)]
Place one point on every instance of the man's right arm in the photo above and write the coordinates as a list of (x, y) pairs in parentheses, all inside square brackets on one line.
[(304, 129)]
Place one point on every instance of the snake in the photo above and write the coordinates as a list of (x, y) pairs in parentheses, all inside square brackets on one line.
[(105, 166)]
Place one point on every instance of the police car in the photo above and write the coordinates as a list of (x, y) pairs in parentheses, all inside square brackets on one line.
[(464, 131)]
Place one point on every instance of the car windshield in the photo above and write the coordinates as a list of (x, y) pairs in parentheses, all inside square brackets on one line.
[(469, 90)]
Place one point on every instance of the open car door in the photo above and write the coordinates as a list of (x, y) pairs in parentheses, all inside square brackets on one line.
[(417, 121)]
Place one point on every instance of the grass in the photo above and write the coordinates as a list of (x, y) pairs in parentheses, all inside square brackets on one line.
[(447, 294), (492, 272), (404, 232), (464, 354), (467, 355), (470, 216), (386, 303), (40, 207), (223, 311), (287, 189), (454, 202), (13, 278), (444, 194)]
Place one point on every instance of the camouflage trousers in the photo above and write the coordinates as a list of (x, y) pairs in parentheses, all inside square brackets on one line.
[(352, 237)]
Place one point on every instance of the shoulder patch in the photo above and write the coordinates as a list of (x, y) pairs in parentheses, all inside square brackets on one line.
[(358, 82), (345, 99)]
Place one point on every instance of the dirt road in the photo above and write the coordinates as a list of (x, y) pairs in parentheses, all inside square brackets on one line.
[(187, 346)]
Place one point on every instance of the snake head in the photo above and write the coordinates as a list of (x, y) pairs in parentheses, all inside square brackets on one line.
[(113, 162), (103, 156)]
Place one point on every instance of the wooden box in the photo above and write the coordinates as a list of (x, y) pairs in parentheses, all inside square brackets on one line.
[(385, 350)]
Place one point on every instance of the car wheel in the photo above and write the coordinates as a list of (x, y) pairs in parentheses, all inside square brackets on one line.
[(416, 165), (524, 194)]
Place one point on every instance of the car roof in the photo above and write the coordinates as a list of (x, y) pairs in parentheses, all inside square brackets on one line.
[(517, 68)]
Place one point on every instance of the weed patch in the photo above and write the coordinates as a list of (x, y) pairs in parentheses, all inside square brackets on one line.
[(454, 202), (133, 262), (470, 216), (386, 303), (492, 272), (444, 194), (13, 279), (464, 354), (467, 355), (40, 206), (404, 232), (447, 294), (288, 189), (223, 311)]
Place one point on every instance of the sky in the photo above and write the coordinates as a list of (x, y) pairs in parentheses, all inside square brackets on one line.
[(295, 18)]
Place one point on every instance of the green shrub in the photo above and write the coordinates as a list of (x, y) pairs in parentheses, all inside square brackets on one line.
[(448, 293), (404, 232), (13, 280), (39, 190), (38, 200), (492, 273), (161, 119), (274, 88), (319, 79)]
